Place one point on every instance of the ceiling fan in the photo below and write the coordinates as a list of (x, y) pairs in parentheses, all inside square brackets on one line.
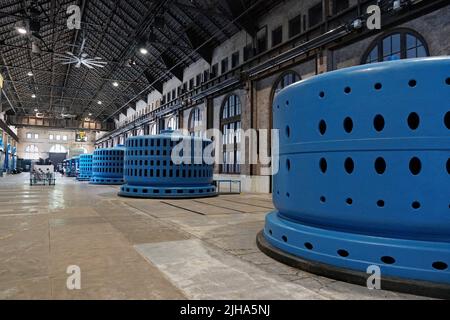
[(80, 60)]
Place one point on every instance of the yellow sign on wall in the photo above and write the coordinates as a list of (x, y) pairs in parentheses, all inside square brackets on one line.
[(1, 81), (81, 136)]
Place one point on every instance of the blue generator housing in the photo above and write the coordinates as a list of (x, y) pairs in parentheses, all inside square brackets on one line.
[(364, 175), (150, 171), (85, 171), (72, 167), (107, 166)]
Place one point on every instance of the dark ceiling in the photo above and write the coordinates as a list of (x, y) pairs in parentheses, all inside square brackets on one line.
[(171, 31)]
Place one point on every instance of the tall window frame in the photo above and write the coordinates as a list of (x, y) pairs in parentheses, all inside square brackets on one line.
[(172, 123), (195, 122), (153, 131), (230, 121)]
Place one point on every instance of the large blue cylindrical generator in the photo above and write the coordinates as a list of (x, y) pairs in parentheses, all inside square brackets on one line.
[(364, 175), (152, 172), (108, 166)]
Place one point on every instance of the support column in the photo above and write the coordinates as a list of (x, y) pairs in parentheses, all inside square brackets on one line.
[(180, 116), (322, 62)]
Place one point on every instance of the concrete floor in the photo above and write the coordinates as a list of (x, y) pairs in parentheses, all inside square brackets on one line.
[(144, 249)]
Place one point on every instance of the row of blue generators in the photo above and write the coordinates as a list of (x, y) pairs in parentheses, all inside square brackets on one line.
[(145, 167)]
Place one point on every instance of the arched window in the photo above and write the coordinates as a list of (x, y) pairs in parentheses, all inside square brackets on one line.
[(153, 129), (396, 45), (57, 148), (285, 80), (230, 122), (195, 122), (172, 123), (32, 152)]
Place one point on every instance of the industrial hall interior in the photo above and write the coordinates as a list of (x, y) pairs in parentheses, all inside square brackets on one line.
[(224, 150)]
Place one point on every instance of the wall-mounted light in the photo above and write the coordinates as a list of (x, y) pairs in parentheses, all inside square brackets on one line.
[(115, 84), (143, 51)]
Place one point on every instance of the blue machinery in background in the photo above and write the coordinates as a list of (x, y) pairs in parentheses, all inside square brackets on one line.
[(364, 175), (85, 171), (7, 158), (107, 166), (2, 155), (13, 159), (151, 173), (72, 166), (65, 166)]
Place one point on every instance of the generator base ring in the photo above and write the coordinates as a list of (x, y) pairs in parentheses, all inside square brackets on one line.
[(107, 181), (84, 178), (346, 257), (132, 191)]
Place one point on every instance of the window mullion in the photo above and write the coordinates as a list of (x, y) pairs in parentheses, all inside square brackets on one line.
[(403, 51)]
